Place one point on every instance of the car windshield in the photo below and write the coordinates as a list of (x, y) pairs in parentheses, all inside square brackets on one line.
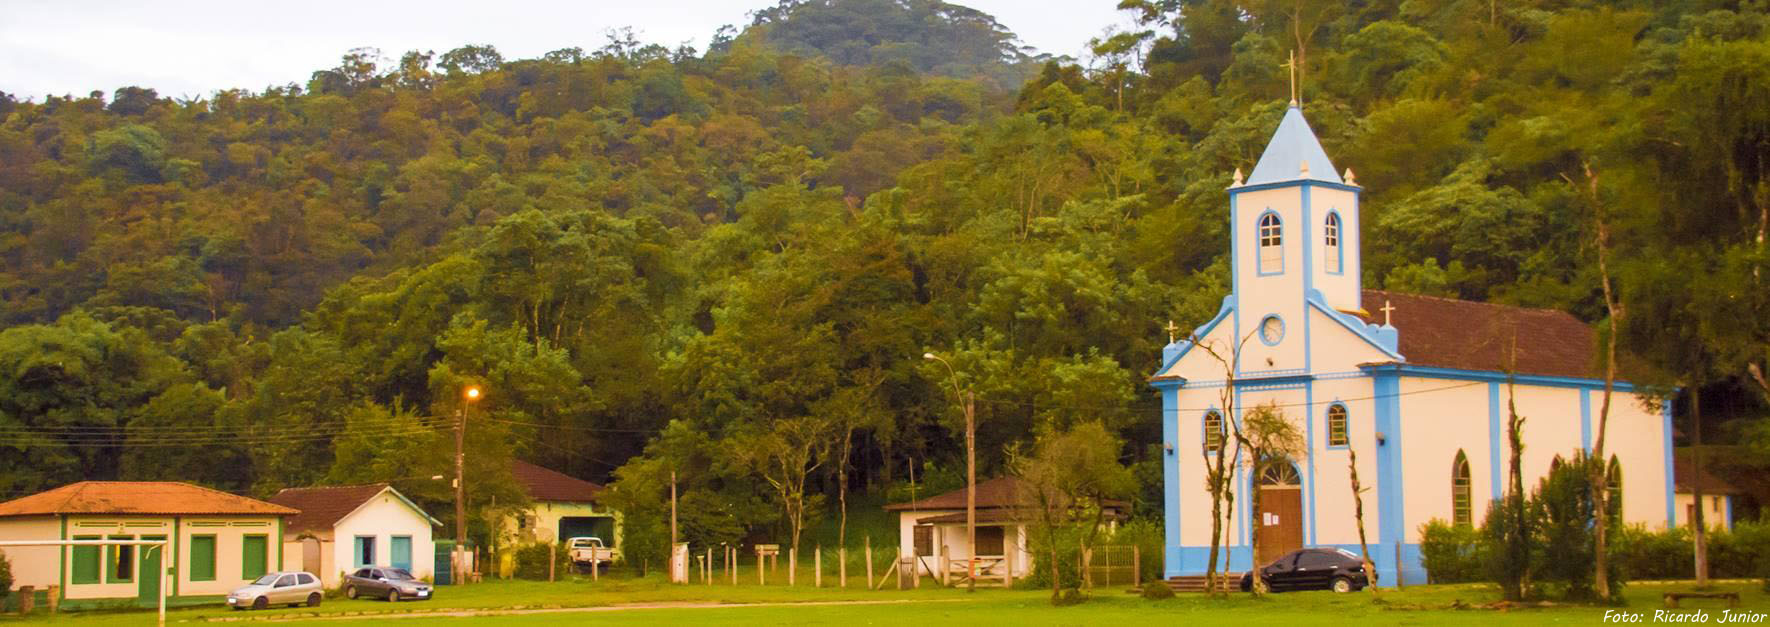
[(399, 574), (266, 580)]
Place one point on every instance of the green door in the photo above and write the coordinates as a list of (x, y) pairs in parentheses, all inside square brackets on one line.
[(150, 571), (402, 552), (254, 557)]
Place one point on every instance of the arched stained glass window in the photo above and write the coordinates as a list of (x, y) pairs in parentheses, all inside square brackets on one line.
[(1213, 431), (1460, 503), (1338, 434)]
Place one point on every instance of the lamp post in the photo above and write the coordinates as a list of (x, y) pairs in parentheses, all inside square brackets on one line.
[(967, 400), (469, 396)]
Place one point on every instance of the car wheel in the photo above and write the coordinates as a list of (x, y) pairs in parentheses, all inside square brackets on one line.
[(393, 596), (1342, 585), (350, 592), (260, 603), (313, 600)]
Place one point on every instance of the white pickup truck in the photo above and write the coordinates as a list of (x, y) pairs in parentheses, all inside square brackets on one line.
[(589, 552)]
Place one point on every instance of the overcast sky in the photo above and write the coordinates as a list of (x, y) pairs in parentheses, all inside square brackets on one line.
[(194, 47)]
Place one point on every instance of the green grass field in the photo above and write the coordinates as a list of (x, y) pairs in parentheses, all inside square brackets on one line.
[(540, 603)]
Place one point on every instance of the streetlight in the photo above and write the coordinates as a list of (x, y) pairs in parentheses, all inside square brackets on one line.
[(470, 395), (969, 400)]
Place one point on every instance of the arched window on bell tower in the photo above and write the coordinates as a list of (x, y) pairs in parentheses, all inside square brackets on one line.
[(1332, 259), (1271, 244)]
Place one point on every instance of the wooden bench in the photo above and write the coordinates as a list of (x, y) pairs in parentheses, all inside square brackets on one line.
[(1672, 598)]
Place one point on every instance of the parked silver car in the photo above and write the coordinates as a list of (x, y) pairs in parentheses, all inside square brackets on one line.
[(280, 588)]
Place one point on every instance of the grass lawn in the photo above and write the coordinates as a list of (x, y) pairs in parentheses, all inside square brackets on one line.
[(1419, 605)]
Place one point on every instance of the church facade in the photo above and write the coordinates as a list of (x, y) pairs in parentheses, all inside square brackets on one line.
[(1417, 386)]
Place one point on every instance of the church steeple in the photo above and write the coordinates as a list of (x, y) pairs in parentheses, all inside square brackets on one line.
[(1295, 226), (1293, 154)]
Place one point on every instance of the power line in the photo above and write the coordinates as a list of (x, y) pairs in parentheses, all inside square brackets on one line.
[(1134, 408)]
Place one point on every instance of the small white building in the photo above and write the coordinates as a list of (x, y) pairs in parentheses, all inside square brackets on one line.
[(215, 541), (1717, 495), (342, 528), (563, 507), (933, 530)]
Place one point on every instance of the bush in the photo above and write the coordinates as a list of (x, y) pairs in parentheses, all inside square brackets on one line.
[(5, 574), (1451, 553), (1564, 506), (1069, 596), (1644, 554), (1508, 545), (1146, 535), (1157, 590), (531, 561)]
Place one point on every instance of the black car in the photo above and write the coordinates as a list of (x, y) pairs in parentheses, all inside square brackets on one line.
[(393, 584), (1312, 569)]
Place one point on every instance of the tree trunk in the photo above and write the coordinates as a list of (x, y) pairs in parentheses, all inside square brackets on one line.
[(1364, 548), (1698, 528), (1600, 470), (1259, 587)]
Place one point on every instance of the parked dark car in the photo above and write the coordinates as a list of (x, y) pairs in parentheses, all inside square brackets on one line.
[(393, 584), (1312, 569)]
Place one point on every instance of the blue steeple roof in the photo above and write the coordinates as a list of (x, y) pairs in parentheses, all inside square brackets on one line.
[(1292, 146)]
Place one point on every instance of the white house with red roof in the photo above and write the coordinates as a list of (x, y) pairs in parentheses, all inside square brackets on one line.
[(1417, 386), (343, 528), (562, 507), (215, 541)]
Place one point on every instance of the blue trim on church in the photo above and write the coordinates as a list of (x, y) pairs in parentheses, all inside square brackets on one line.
[(1671, 497), (1585, 419), (1435, 372), (1494, 429)]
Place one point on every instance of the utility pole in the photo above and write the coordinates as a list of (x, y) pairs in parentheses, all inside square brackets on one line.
[(971, 485), (672, 512), (457, 564), (968, 400)]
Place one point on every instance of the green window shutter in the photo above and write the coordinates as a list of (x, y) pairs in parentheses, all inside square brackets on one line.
[(86, 560), (120, 561), (253, 556), (202, 558)]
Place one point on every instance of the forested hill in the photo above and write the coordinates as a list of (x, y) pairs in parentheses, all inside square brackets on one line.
[(728, 263)]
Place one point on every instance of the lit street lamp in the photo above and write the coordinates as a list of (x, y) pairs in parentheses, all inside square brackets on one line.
[(471, 395), (968, 400)]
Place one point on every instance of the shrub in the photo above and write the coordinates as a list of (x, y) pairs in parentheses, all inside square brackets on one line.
[(1070, 596), (1564, 507), (531, 561), (1146, 535), (1157, 590), (1451, 553), (5, 574), (1507, 544)]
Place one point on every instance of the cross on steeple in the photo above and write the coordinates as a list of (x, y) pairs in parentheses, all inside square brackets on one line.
[(1292, 65), (1387, 309), (1172, 330)]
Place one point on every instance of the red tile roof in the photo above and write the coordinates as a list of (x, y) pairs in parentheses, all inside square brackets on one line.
[(1686, 479), (322, 507), (1468, 335), (164, 498), (548, 485), (1000, 492)]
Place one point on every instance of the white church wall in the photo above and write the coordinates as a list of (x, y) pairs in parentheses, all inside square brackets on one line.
[(1340, 289), (1637, 437), (1438, 418), (1331, 482), (1336, 350), (1197, 365), (1279, 293)]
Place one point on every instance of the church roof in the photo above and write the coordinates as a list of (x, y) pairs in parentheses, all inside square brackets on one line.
[(1292, 146), (1467, 335)]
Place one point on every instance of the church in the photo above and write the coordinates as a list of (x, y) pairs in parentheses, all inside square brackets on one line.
[(1417, 386)]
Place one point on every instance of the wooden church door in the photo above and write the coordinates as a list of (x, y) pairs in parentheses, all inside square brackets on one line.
[(1280, 522)]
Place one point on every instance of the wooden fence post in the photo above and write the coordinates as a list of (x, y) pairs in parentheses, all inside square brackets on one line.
[(1398, 578), (731, 563), (817, 570), (761, 569), (553, 559), (869, 556), (1136, 566), (792, 567), (842, 567)]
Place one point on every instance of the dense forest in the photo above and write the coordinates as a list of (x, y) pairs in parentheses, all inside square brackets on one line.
[(729, 263)]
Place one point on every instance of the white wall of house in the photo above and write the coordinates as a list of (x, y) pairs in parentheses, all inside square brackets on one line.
[(1717, 512), (951, 542), (383, 518)]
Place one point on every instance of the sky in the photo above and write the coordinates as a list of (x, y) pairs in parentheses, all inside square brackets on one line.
[(191, 48)]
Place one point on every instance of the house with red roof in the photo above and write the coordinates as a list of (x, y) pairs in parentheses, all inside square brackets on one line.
[(343, 528), (215, 542), (934, 530), (562, 507), (1420, 388)]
